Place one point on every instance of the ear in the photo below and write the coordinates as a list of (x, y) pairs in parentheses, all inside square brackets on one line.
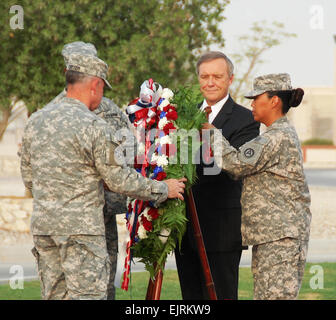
[(231, 80), (94, 83), (276, 103)]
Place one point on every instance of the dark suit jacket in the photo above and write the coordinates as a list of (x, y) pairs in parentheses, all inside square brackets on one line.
[(217, 197)]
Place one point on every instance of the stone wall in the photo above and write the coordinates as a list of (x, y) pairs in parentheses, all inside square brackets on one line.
[(9, 166), (15, 214)]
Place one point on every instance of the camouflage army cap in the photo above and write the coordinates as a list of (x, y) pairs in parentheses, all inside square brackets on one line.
[(88, 64), (78, 47), (270, 82)]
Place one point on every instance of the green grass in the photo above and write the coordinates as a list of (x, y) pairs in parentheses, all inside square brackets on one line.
[(31, 291), (171, 290), (306, 293)]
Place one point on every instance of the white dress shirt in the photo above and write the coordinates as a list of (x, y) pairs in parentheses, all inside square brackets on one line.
[(215, 108)]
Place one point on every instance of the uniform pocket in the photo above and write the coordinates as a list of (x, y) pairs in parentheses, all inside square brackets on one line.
[(113, 156), (277, 252)]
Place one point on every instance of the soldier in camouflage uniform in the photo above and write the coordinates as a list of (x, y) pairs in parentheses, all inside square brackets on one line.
[(114, 203), (275, 197), (66, 152)]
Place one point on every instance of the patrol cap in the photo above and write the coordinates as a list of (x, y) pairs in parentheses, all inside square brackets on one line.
[(88, 64), (270, 82), (78, 47)]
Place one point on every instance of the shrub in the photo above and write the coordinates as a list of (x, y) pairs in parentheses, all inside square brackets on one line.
[(317, 141)]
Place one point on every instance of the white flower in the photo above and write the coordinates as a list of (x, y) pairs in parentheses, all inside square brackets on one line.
[(146, 215), (167, 94), (154, 157), (162, 160), (156, 141), (165, 140), (163, 121), (142, 233), (164, 234), (163, 104)]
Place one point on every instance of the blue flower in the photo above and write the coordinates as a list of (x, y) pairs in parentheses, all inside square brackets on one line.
[(162, 114)]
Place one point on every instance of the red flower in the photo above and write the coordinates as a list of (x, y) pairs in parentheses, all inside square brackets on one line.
[(167, 127), (154, 213), (172, 115), (146, 223), (161, 176), (169, 108)]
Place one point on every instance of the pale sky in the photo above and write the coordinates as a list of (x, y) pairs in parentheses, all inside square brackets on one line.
[(308, 58)]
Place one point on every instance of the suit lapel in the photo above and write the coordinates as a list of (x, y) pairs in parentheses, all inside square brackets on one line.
[(224, 114)]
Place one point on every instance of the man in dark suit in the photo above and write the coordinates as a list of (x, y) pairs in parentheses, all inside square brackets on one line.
[(217, 196)]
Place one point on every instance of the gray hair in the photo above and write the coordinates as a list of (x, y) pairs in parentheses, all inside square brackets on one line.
[(212, 55), (73, 77)]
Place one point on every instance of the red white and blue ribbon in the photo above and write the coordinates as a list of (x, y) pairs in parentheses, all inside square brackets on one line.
[(142, 113)]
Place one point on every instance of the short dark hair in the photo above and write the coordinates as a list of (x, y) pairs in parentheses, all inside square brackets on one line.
[(73, 77), (212, 55), (289, 98)]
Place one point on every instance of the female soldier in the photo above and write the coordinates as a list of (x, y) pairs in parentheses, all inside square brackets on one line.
[(275, 197)]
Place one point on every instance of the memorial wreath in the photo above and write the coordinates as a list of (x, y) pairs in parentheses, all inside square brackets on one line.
[(168, 125)]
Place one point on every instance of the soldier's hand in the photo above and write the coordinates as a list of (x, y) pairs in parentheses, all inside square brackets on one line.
[(206, 126), (175, 188)]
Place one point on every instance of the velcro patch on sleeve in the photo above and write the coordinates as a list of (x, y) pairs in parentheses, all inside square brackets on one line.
[(114, 154), (251, 151)]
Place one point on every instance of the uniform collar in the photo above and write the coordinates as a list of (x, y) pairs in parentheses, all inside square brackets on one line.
[(278, 123), (76, 103)]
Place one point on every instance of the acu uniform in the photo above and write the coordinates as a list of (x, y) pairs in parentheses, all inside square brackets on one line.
[(66, 151), (114, 203), (275, 206)]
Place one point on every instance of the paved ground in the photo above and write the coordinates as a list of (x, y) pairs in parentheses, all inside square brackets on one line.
[(321, 177)]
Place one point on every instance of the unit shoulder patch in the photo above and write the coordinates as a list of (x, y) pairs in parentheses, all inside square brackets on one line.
[(251, 151)]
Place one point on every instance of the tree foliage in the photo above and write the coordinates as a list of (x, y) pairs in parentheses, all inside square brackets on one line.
[(262, 37), (139, 39)]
